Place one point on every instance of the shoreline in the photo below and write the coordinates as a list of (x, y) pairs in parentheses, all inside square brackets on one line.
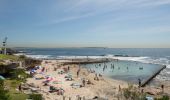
[(99, 88)]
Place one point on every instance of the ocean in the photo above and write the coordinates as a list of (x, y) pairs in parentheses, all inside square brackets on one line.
[(144, 55)]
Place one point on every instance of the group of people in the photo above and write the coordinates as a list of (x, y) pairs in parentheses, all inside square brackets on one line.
[(112, 67)]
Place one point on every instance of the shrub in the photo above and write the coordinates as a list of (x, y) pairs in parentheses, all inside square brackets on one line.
[(16, 72), (31, 63), (131, 93), (165, 97), (36, 96), (3, 93)]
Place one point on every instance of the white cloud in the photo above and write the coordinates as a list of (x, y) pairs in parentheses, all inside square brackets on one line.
[(100, 5), (72, 18), (87, 8)]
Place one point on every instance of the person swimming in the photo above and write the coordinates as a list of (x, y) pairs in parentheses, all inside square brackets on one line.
[(140, 68)]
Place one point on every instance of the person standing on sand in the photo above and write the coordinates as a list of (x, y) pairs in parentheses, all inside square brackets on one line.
[(55, 69), (43, 69), (68, 68), (139, 82), (19, 88), (162, 86), (78, 72), (120, 89), (96, 77), (120, 93), (84, 82)]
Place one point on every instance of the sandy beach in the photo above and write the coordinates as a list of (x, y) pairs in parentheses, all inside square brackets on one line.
[(104, 87), (58, 74)]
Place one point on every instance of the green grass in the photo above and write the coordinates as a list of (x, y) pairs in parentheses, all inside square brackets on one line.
[(14, 94), (12, 83), (8, 57)]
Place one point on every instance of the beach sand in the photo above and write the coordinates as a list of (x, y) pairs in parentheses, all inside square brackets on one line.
[(104, 87)]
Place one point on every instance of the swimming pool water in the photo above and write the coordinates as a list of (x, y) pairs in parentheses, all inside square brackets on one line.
[(125, 70)]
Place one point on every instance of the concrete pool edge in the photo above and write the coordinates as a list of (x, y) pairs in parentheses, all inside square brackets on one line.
[(153, 76)]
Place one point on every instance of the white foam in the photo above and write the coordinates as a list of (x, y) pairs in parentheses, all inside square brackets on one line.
[(168, 66), (19, 54), (140, 59), (39, 56), (78, 57)]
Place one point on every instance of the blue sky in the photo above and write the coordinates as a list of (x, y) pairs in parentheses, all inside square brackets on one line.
[(85, 23)]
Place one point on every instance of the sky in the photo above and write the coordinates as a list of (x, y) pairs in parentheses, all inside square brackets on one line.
[(86, 23)]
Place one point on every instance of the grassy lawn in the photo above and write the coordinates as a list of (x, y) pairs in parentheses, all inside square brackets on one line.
[(8, 57), (14, 94)]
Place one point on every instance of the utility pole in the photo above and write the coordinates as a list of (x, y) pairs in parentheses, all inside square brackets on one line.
[(4, 45)]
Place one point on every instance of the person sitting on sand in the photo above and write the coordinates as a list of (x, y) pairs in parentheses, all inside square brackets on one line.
[(60, 92), (96, 77), (89, 82), (65, 69), (100, 75)]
